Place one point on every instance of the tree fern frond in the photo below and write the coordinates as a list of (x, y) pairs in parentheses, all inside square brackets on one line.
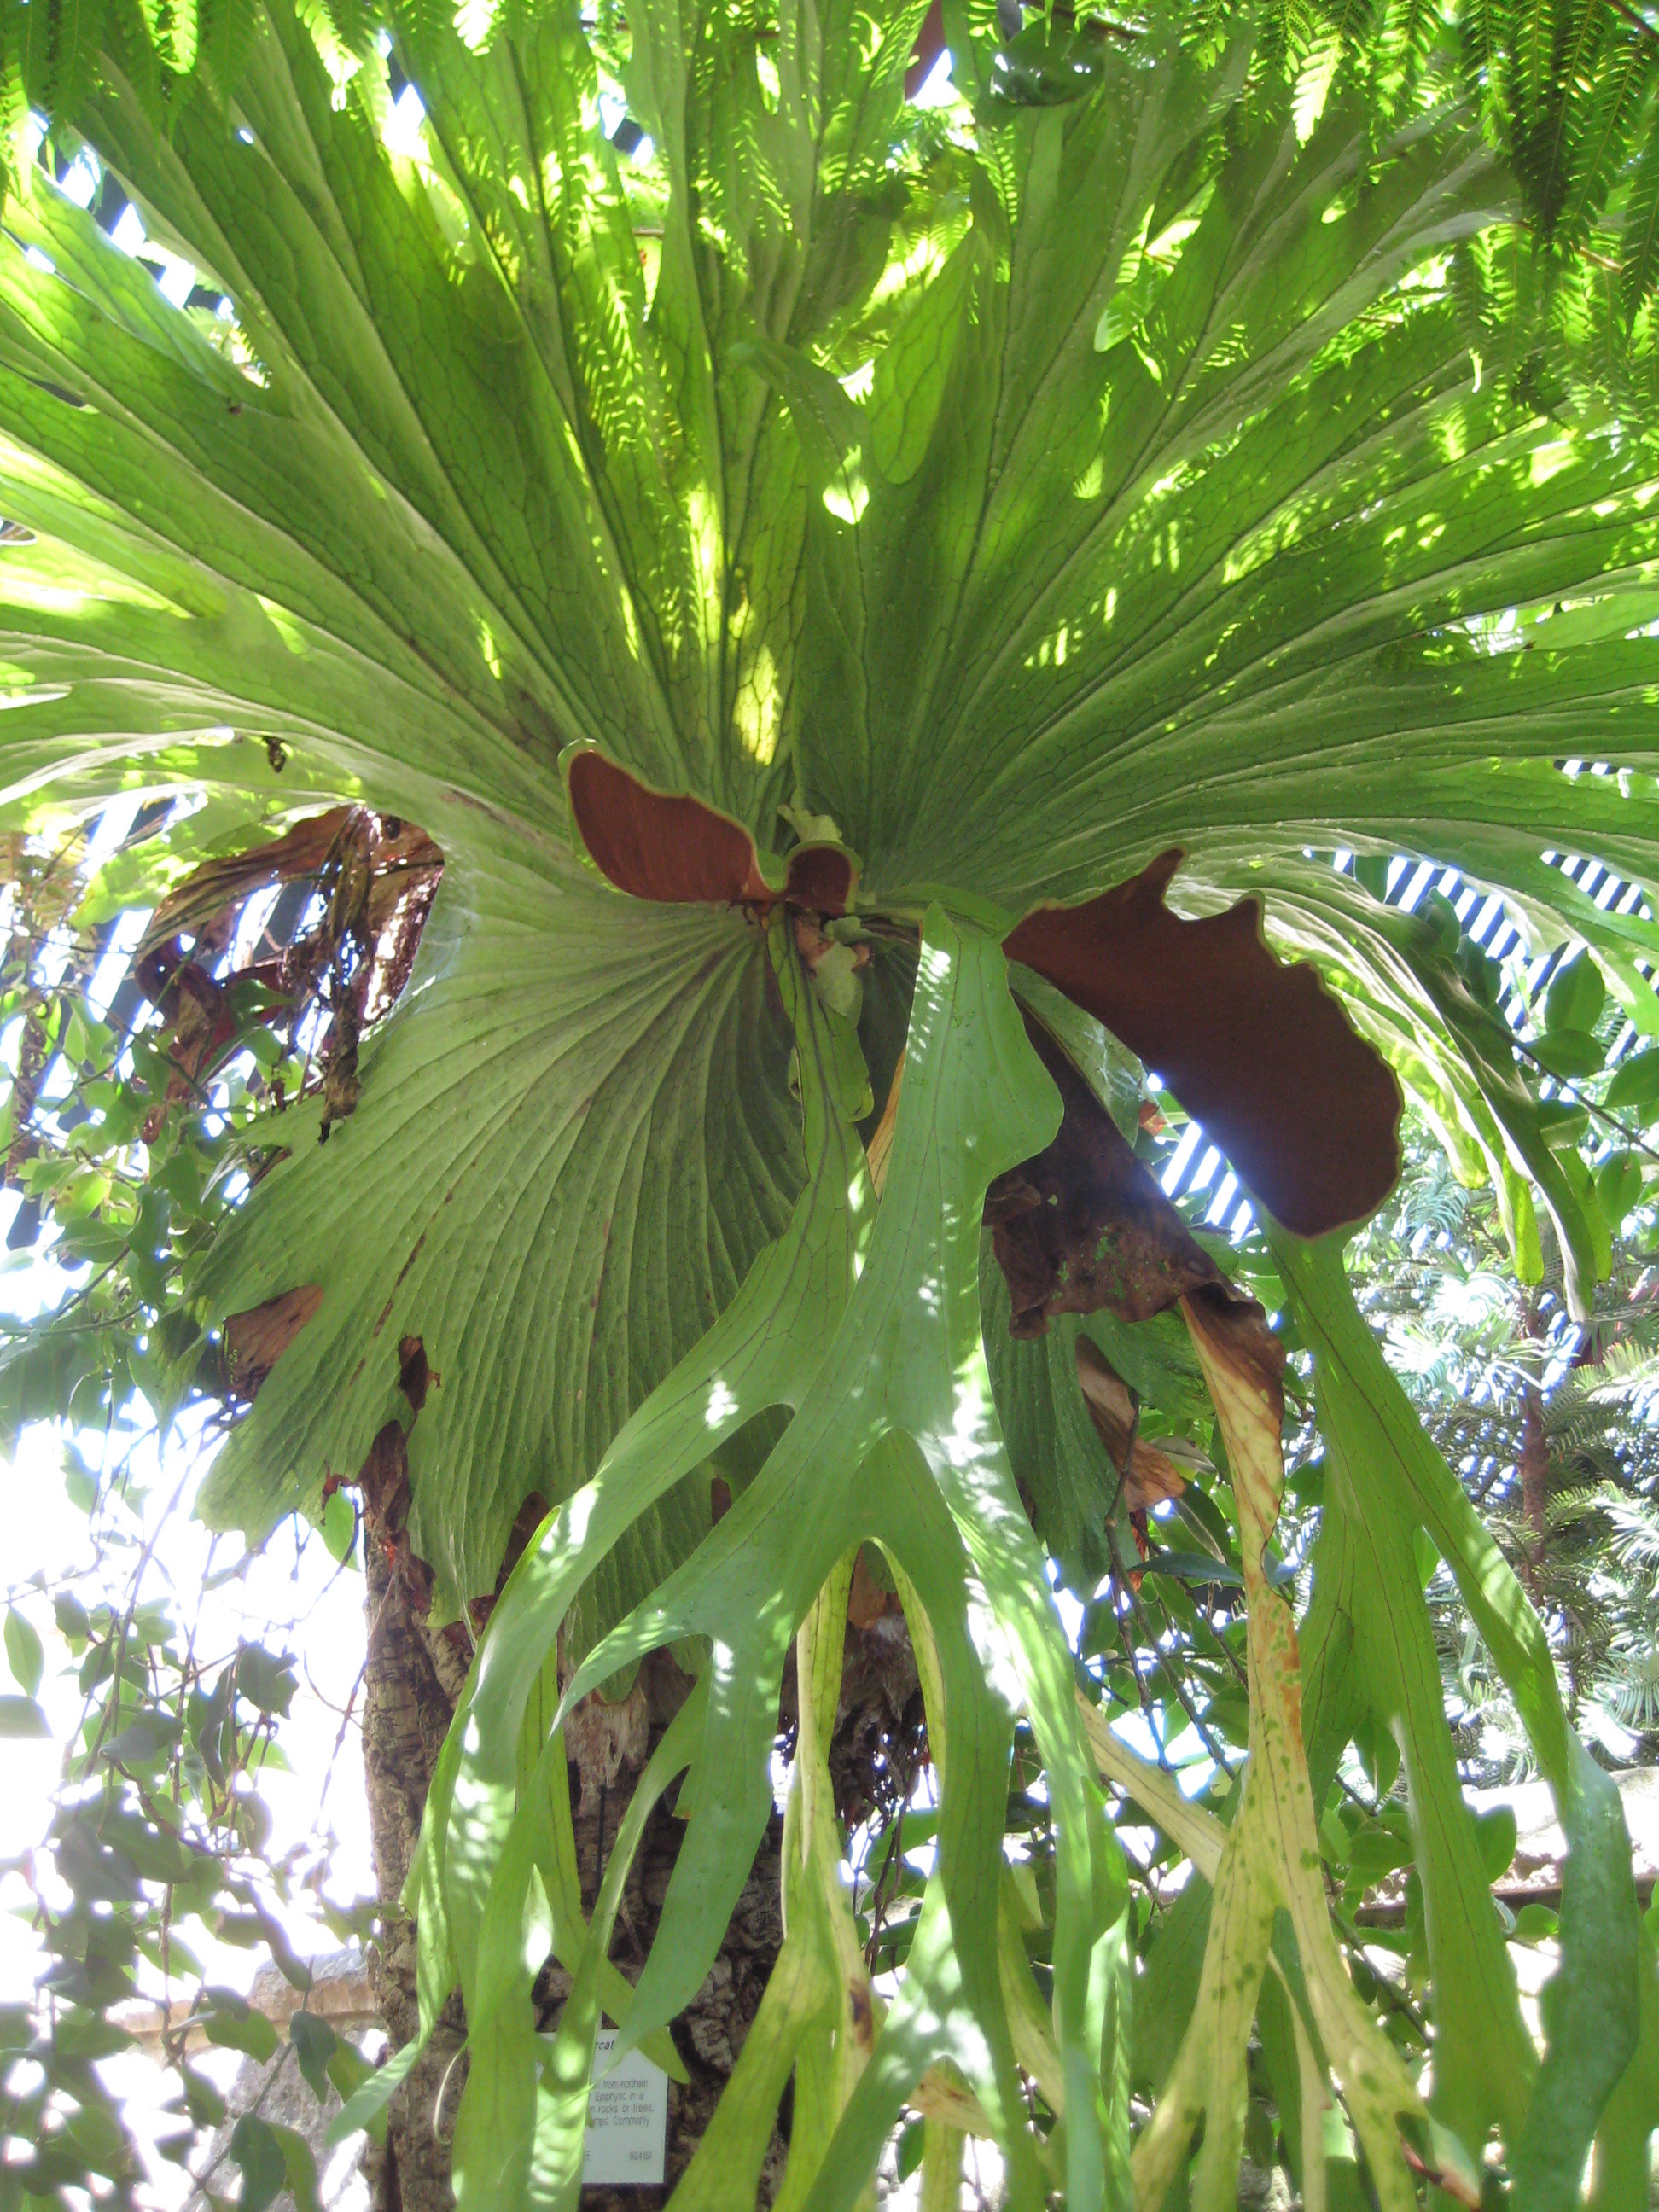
[(1630, 1681), (228, 30), (1486, 25), (1569, 1507), (1534, 82), (1355, 23), (1570, 93), (1639, 257), (1623, 79), (1635, 1538)]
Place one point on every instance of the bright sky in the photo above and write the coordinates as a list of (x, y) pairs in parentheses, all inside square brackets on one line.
[(291, 1598)]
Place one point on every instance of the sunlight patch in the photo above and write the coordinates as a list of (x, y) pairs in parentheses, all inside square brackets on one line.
[(722, 1404), (757, 710), (404, 132), (1547, 461), (475, 23)]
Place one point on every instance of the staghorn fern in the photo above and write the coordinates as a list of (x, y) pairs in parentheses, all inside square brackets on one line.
[(812, 584)]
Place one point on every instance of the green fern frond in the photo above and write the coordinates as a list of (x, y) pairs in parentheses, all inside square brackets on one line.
[(1640, 258)]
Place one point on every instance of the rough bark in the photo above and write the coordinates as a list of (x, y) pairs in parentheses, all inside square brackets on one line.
[(406, 1713), (710, 2033), (407, 1708)]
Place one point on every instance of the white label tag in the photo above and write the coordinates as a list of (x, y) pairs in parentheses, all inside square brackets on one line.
[(627, 2119)]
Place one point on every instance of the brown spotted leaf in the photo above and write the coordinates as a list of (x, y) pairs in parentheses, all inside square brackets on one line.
[(1273, 1845), (1257, 1050), (414, 1378), (675, 849), (256, 1340), (1231, 1332)]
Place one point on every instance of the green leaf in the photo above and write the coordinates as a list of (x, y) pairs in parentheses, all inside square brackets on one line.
[(1561, 1123), (1495, 1834), (1194, 1567), (1635, 1084), (1567, 1053), (365, 2108), (21, 1717), (231, 2022), (205, 2104), (1536, 1923), (1593, 2007), (829, 426), (884, 1374), (627, 1034), (272, 2159), (153, 1851), (912, 373), (24, 1653), (766, 1347), (909, 2149), (146, 1742), (1619, 1187), (1053, 1447), (1576, 994), (765, 1350), (517, 446), (315, 2045), (73, 1623), (559, 2106), (1628, 2123), (339, 1528), (267, 1683)]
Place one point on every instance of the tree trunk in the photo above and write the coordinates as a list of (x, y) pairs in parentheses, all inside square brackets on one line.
[(411, 1681), (406, 1714), (610, 1745)]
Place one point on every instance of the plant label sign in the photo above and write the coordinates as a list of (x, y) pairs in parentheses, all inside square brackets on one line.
[(627, 2119)]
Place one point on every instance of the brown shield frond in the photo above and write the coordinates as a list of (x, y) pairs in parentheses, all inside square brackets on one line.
[(1255, 1049), (675, 849)]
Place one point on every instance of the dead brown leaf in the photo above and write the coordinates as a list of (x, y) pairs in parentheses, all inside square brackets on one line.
[(867, 1600), (231, 877), (1113, 1406), (414, 1378), (604, 1740), (1149, 1475)]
